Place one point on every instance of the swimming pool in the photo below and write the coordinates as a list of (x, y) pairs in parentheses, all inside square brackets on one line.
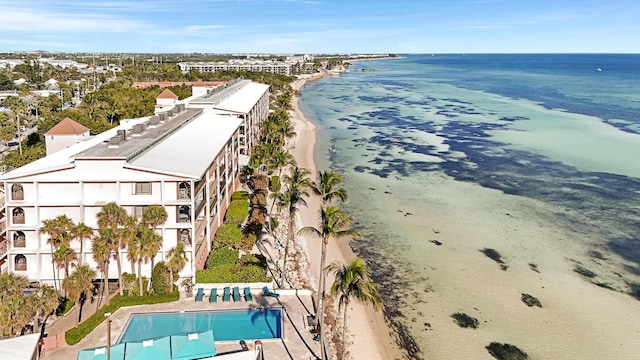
[(251, 324)]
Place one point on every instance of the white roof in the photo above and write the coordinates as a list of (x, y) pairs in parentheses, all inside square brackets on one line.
[(65, 157), (19, 348), (244, 99), (190, 150)]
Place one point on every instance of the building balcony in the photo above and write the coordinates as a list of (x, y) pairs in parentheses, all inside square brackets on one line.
[(3, 248)]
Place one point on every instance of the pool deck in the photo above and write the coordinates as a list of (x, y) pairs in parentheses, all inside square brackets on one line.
[(297, 343)]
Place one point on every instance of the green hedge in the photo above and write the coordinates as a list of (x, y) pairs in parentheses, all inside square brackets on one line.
[(232, 274), (240, 195), (73, 336), (222, 256), (229, 235), (237, 212)]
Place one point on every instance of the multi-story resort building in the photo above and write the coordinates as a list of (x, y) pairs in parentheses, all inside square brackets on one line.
[(277, 67), (186, 158)]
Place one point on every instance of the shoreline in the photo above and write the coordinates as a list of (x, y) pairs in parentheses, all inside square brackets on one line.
[(369, 332)]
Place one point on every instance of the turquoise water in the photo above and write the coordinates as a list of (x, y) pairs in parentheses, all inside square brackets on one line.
[(533, 155), (226, 325)]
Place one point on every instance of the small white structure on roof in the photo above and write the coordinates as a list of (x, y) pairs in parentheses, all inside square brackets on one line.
[(64, 134)]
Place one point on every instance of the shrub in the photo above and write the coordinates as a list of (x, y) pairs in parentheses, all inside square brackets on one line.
[(237, 212), (160, 279), (232, 274), (229, 235), (222, 256), (240, 195), (74, 335)]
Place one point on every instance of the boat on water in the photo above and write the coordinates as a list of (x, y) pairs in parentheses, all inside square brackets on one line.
[(598, 69)]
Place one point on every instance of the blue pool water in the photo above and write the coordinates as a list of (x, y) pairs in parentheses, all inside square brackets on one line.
[(226, 325)]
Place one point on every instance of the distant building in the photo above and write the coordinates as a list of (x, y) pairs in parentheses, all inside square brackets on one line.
[(277, 67)]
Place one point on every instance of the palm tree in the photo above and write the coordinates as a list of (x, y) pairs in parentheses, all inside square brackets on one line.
[(327, 187), (64, 257), (11, 285), (15, 314), (112, 217), (177, 259), (59, 231), (153, 217), (351, 282), (101, 250), (334, 223), (81, 232), (78, 285), (47, 301), (143, 248), (297, 184), (129, 235)]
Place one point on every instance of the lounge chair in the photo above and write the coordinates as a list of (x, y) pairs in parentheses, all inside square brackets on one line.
[(227, 294), (268, 292), (200, 294), (214, 295), (247, 294), (236, 294)]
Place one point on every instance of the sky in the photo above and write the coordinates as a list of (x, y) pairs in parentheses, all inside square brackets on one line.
[(321, 26)]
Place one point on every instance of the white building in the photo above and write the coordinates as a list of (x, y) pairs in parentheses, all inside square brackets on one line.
[(277, 67), (185, 159), (64, 134)]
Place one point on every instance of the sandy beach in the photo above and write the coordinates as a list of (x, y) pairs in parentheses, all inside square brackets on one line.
[(369, 336)]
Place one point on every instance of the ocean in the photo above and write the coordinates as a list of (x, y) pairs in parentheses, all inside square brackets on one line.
[(450, 158)]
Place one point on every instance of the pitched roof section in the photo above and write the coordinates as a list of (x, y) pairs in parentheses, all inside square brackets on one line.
[(67, 126), (167, 94), (199, 83)]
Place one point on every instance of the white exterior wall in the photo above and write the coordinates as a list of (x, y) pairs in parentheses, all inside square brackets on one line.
[(55, 143), (59, 193), (99, 193)]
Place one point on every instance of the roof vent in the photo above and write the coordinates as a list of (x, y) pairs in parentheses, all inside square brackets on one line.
[(162, 116), (115, 141), (154, 120), (138, 128), (122, 134)]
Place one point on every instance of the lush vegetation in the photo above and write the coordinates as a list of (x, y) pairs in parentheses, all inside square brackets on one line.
[(224, 263), (74, 335)]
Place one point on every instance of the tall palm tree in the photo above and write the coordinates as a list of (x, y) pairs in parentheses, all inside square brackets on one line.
[(59, 231), (143, 248), (177, 259), (78, 285), (47, 301), (80, 233), (64, 257), (326, 186), (112, 217), (298, 183), (129, 234), (351, 282), (101, 250), (153, 217), (334, 223)]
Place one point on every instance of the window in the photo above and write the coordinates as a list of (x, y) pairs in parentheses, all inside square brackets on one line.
[(138, 211), (18, 216), (17, 192), (142, 188), (19, 240), (20, 263)]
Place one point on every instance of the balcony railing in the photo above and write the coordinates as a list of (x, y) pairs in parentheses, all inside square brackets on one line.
[(3, 248), (3, 224)]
